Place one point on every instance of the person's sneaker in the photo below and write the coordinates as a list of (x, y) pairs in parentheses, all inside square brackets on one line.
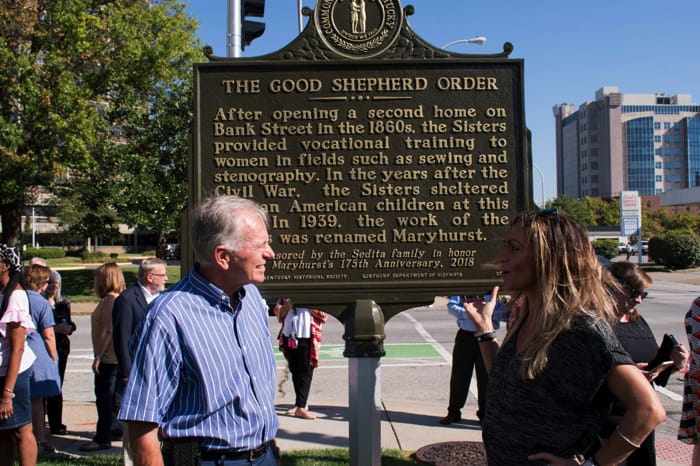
[(60, 430), (450, 418), (94, 446), (46, 447)]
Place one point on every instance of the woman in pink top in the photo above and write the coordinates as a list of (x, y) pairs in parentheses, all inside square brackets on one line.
[(15, 359)]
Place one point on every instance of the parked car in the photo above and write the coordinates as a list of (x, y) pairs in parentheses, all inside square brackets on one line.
[(622, 248), (171, 251), (645, 247)]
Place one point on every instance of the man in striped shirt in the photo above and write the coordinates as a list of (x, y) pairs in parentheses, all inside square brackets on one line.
[(203, 375)]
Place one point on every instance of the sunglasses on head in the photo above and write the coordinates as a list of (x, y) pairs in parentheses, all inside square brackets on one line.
[(548, 212)]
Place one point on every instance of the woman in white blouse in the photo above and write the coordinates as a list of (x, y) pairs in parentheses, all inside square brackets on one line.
[(300, 342)]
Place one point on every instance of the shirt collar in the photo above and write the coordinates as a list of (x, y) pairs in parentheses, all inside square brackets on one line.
[(215, 295), (147, 294)]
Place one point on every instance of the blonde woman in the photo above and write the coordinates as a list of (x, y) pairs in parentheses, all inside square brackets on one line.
[(551, 381), (109, 282)]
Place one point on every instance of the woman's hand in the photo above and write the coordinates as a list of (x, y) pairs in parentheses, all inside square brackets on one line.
[(680, 356), (480, 311), (6, 408), (650, 375), (63, 328)]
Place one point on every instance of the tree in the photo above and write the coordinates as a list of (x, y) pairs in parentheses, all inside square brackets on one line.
[(46, 121), (155, 118), (575, 208), (85, 86), (603, 212)]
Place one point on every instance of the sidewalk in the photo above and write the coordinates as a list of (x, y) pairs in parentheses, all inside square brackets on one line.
[(405, 425)]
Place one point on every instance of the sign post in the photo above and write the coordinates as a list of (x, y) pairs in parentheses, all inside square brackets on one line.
[(631, 218)]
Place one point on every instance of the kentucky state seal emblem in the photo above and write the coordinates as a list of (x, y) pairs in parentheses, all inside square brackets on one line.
[(358, 28)]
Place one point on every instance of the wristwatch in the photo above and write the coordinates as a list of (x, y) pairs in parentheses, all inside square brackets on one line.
[(590, 462)]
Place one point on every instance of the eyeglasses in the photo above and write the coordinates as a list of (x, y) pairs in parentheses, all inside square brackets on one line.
[(161, 275), (634, 294)]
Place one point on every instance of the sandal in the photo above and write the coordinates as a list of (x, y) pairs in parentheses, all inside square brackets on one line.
[(304, 414)]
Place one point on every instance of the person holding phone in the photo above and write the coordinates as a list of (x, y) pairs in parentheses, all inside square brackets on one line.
[(635, 335), (552, 380)]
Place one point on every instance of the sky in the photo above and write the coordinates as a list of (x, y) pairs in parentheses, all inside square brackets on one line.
[(570, 49)]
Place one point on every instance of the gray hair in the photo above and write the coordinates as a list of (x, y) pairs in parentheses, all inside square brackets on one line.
[(54, 276), (149, 264), (218, 220)]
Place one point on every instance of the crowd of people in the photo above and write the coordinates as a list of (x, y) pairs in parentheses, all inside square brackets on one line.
[(571, 382)]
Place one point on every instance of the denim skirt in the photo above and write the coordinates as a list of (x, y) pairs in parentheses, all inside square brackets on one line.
[(21, 404)]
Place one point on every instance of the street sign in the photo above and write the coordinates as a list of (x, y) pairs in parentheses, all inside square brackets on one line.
[(630, 226)]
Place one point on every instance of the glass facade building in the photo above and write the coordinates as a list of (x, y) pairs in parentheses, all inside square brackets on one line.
[(692, 129), (648, 143)]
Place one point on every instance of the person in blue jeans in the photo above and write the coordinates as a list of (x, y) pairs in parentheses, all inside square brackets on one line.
[(466, 358)]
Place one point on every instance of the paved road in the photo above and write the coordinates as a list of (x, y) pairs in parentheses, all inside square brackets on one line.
[(418, 344)]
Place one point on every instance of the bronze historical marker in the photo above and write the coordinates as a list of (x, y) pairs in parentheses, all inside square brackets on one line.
[(390, 168)]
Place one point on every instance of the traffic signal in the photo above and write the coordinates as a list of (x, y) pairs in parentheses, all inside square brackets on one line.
[(251, 29)]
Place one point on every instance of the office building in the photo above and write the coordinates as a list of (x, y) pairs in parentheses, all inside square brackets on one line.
[(648, 143)]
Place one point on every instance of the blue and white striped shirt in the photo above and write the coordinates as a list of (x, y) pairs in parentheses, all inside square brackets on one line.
[(204, 367)]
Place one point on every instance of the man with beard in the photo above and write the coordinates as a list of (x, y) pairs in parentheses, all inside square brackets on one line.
[(129, 308)]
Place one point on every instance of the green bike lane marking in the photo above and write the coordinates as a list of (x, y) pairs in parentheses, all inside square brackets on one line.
[(393, 351)]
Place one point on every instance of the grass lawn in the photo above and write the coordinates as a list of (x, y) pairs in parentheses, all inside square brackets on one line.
[(329, 457), (78, 277)]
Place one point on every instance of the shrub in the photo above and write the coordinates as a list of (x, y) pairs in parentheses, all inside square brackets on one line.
[(676, 250), (93, 257), (75, 252), (605, 247), (46, 253), (656, 246)]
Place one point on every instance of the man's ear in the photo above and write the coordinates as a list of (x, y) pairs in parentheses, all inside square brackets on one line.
[(222, 257)]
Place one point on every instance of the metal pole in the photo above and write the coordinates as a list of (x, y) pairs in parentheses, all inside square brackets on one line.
[(364, 345), (233, 36), (301, 24), (479, 40), (33, 228), (639, 240), (542, 184)]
